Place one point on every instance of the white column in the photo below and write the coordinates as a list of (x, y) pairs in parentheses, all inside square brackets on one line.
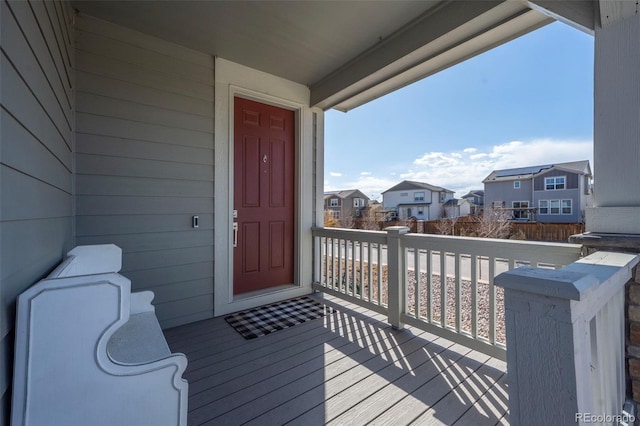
[(616, 128)]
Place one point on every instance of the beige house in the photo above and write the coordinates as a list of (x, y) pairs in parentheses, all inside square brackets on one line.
[(350, 203)]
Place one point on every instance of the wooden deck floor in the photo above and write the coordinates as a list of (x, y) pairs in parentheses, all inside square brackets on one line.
[(350, 368)]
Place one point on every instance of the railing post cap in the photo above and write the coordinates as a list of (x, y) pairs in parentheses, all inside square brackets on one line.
[(397, 230), (559, 283)]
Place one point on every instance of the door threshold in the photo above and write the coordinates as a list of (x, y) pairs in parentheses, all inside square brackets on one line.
[(263, 292)]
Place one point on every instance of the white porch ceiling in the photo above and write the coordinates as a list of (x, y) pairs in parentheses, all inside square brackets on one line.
[(347, 52)]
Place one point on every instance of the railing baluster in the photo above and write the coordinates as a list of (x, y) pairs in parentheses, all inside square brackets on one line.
[(429, 286), (416, 274), (370, 276), (353, 268), (458, 293), (474, 294), (361, 263), (337, 257), (443, 288), (340, 264), (492, 300)]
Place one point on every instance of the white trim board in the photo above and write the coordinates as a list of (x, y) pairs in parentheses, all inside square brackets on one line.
[(232, 80)]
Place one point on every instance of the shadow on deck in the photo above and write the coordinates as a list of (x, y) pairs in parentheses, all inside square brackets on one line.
[(348, 368)]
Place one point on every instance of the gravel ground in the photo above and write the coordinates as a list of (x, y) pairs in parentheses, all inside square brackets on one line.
[(482, 297)]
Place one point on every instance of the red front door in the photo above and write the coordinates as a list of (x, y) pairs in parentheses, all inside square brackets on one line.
[(264, 153)]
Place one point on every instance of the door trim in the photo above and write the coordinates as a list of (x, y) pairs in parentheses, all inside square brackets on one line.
[(224, 300)]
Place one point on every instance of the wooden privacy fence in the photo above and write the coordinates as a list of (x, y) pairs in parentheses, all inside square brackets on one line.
[(534, 231)]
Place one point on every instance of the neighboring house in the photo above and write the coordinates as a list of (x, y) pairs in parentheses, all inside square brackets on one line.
[(548, 193), (349, 203), (416, 199), (472, 202)]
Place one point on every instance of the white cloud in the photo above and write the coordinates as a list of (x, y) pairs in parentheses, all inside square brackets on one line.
[(461, 171)]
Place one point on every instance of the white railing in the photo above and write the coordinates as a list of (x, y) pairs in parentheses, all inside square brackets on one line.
[(401, 275), (565, 333)]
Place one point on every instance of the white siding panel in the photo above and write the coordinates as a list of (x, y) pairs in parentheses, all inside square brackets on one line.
[(35, 161), (145, 162)]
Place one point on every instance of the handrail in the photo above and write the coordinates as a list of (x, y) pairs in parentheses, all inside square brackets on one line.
[(404, 281)]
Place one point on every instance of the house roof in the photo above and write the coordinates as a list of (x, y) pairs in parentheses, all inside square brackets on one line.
[(580, 167), (316, 44), (408, 185), (346, 193), (474, 193)]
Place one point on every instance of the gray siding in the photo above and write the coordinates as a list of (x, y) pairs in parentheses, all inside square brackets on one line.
[(504, 191), (145, 162), (571, 179), (36, 156)]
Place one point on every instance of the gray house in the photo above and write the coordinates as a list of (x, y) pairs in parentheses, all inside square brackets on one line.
[(416, 199), (548, 193), (124, 121), (475, 201), (349, 203)]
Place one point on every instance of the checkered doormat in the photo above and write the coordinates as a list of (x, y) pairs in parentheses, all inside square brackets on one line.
[(267, 319)]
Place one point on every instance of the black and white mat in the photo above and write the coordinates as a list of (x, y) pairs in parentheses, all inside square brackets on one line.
[(267, 319)]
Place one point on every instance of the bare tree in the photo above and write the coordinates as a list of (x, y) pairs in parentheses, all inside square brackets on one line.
[(447, 225), (494, 223), (369, 219), (329, 219), (346, 221)]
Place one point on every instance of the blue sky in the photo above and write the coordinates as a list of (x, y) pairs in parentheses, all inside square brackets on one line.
[(527, 102)]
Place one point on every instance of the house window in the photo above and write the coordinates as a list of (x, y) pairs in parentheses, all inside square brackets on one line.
[(358, 202), (335, 214), (442, 197), (404, 194), (333, 202), (566, 206), (554, 206), (554, 183), (420, 211), (516, 184), (520, 214), (543, 206), (418, 196), (408, 212)]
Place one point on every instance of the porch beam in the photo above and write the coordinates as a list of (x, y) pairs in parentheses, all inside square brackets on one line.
[(580, 14), (432, 35)]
